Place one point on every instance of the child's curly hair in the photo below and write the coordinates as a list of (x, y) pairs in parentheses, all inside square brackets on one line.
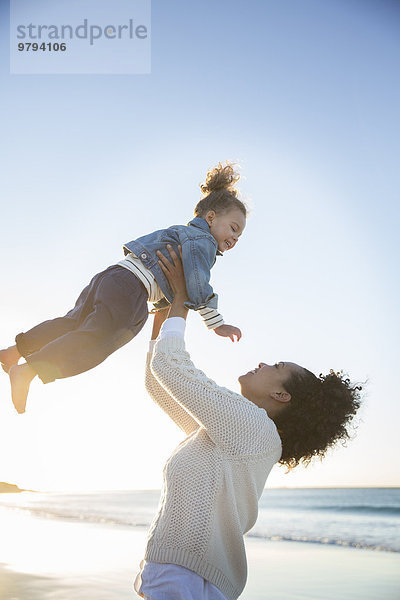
[(320, 410), (219, 192)]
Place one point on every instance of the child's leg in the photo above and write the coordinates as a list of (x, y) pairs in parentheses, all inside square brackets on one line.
[(40, 335), (9, 357), (20, 379), (119, 311)]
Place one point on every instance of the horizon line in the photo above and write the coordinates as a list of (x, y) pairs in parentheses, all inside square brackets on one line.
[(88, 490)]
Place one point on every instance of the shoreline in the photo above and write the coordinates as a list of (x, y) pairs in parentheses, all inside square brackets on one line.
[(280, 570), (93, 561)]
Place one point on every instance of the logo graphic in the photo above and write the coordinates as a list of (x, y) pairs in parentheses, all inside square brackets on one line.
[(85, 36)]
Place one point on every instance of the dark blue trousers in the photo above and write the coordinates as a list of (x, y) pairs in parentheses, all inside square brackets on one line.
[(109, 312)]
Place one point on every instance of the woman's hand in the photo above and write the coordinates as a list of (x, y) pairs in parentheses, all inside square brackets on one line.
[(173, 271)]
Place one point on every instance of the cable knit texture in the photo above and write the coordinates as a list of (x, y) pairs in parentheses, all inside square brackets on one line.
[(214, 478)]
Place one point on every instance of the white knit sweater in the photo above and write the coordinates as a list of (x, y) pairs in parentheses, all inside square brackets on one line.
[(215, 477)]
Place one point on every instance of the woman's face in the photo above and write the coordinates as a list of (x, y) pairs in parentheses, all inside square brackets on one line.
[(265, 385)]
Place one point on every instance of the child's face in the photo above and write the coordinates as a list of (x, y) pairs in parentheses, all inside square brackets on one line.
[(226, 228)]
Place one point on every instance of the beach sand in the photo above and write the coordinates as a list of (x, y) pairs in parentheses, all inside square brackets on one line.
[(46, 559)]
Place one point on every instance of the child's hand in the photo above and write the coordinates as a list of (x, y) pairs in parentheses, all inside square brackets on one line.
[(228, 331)]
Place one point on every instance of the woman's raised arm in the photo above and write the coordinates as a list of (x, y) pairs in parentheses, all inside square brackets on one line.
[(234, 423), (169, 405)]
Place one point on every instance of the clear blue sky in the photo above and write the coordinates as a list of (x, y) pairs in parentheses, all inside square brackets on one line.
[(304, 94)]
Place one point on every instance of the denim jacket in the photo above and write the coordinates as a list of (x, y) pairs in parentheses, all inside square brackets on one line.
[(199, 251)]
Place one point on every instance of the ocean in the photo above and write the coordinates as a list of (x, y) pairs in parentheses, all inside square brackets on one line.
[(364, 518)]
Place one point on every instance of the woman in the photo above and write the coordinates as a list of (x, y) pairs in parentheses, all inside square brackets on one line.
[(214, 479)]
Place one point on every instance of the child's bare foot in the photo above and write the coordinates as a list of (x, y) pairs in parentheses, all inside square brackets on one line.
[(9, 357), (20, 379)]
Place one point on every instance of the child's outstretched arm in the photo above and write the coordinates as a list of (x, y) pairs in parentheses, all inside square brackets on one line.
[(197, 259), (224, 330), (197, 262)]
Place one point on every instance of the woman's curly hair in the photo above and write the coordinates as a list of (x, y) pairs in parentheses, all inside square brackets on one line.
[(318, 416), (219, 192)]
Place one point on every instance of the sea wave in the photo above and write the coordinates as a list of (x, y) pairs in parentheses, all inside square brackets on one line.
[(49, 513), (77, 517), (324, 540), (361, 509)]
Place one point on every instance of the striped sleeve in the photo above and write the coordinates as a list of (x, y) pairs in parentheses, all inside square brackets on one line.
[(211, 317)]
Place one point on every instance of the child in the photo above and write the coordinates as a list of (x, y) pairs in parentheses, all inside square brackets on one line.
[(112, 309)]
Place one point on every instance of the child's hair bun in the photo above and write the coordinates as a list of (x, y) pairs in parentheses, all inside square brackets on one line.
[(222, 177), (219, 192)]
